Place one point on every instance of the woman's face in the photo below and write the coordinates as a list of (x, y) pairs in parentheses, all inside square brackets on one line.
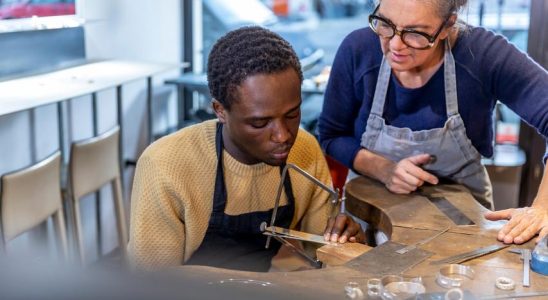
[(418, 15)]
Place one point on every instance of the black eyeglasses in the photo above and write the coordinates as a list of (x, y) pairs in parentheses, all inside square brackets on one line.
[(412, 38)]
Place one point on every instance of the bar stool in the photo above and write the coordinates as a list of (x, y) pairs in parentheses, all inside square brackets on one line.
[(31, 196), (94, 163)]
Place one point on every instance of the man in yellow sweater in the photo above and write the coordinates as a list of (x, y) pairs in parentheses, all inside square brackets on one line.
[(200, 194)]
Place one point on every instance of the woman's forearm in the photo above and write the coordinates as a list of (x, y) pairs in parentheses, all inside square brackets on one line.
[(372, 165)]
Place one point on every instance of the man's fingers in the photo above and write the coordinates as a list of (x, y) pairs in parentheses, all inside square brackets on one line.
[(338, 227), (328, 228), (343, 229), (352, 230)]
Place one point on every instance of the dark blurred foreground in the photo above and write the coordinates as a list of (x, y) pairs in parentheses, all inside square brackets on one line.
[(38, 280)]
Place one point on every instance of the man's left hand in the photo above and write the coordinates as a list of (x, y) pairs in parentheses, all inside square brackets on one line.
[(342, 229)]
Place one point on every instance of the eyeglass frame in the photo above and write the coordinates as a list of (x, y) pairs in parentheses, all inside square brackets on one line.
[(431, 38)]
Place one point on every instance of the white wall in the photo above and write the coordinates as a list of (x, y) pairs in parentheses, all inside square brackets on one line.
[(141, 30), (144, 30)]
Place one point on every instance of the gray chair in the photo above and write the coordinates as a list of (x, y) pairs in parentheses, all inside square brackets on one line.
[(31, 196), (94, 163)]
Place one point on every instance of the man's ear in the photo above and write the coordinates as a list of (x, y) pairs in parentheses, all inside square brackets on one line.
[(219, 110)]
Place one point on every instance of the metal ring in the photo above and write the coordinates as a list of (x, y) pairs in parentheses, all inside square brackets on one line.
[(374, 287), (452, 275), (505, 283), (454, 294)]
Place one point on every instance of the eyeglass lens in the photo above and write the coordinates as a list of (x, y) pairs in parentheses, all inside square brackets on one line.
[(387, 30)]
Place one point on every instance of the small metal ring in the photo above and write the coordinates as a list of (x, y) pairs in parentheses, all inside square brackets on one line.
[(446, 275), (454, 294), (505, 283), (374, 287)]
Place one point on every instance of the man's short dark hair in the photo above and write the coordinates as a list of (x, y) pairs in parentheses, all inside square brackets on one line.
[(245, 52)]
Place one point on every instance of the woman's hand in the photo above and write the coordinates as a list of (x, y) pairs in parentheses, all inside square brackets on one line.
[(402, 177), (407, 175), (342, 229), (524, 223)]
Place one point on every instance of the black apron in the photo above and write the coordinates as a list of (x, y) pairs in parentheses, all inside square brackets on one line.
[(236, 242)]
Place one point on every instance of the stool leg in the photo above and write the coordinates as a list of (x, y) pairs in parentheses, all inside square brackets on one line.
[(78, 236), (120, 217), (59, 223)]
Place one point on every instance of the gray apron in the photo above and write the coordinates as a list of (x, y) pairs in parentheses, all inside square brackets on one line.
[(456, 158)]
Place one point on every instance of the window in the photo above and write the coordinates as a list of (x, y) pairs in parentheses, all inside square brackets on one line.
[(19, 9)]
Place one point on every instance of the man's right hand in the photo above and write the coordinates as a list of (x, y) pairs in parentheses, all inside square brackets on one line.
[(407, 175)]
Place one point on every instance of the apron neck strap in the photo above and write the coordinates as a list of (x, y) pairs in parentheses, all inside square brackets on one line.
[(450, 77), (220, 194), (450, 84)]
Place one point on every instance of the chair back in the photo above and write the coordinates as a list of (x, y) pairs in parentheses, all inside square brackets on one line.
[(94, 163), (30, 196)]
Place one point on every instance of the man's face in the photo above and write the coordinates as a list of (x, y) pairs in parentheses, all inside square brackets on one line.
[(263, 121)]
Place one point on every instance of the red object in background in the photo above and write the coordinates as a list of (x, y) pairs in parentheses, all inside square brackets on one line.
[(27, 9), (338, 171), (507, 133), (280, 7)]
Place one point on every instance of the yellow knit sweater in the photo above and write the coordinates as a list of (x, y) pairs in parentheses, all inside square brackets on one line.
[(172, 194)]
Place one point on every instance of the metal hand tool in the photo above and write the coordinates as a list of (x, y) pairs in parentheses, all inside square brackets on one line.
[(282, 234), (525, 255), (514, 295), (455, 259), (316, 263), (285, 233), (334, 194)]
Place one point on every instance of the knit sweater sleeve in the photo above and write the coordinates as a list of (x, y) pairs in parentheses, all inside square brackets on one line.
[(319, 206), (157, 227)]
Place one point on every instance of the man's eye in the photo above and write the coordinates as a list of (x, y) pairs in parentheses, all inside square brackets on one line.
[(259, 124), (293, 115)]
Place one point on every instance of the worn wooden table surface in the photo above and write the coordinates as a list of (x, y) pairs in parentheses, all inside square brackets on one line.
[(406, 219)]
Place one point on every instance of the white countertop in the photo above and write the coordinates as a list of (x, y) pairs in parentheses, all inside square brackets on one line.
[(34, 91)]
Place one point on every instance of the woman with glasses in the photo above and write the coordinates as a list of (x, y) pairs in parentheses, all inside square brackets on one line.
[(410, 101)]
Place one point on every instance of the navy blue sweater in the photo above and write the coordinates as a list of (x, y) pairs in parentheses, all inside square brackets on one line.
[(488, 68)]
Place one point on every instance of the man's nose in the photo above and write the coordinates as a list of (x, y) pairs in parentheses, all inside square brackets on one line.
[(280, 132)]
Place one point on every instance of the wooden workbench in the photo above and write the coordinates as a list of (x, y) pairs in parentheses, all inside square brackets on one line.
[(406, 219)]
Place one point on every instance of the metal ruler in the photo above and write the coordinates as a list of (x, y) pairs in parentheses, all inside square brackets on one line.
[(526, 257), (455, 259), (515, 295)]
